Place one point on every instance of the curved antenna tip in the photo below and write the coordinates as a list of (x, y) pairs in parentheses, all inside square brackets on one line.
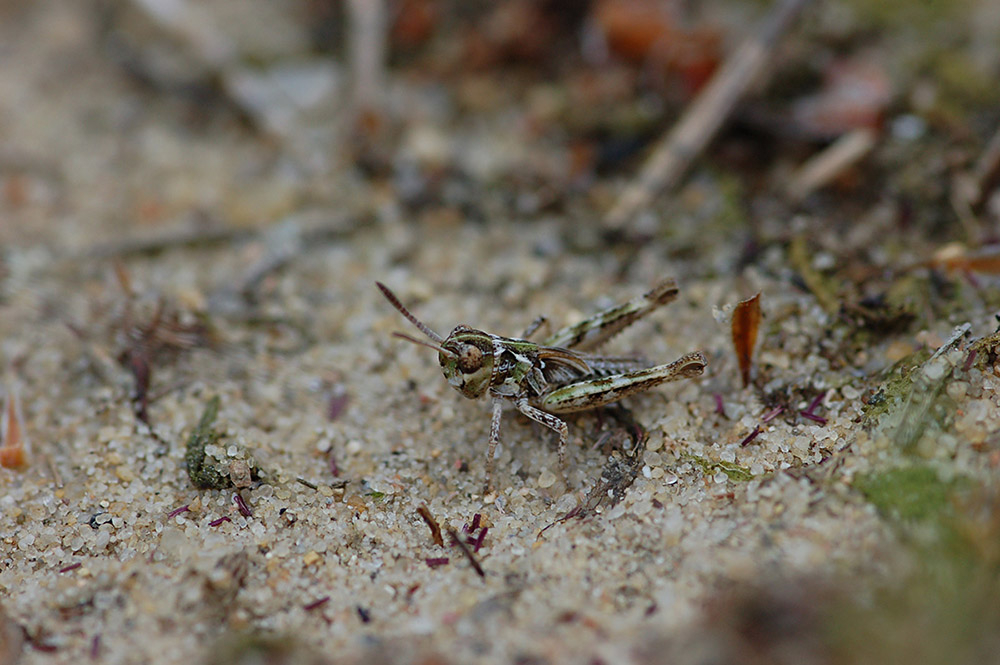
[(420, 325)]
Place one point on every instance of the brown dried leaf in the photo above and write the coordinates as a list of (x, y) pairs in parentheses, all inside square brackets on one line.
[(12, 451), (746, 322), (432, 524)]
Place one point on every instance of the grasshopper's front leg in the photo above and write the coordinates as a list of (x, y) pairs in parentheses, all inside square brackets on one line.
[(592, 393), (539, 416), (494, 440)]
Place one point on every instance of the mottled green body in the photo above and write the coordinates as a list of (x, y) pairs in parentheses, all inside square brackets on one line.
[(556, 375)]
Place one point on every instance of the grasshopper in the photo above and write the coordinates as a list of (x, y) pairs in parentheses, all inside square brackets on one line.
[(557, 375)]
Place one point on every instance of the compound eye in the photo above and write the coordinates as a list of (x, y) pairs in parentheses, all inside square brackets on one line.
[(471, 359)]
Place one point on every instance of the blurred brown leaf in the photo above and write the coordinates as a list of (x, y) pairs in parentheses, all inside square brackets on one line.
[(12, 451), (649, 33), (413, 23), (746, 321)]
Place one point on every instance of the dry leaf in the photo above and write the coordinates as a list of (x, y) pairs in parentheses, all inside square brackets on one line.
[(746, 321), (12, 451)]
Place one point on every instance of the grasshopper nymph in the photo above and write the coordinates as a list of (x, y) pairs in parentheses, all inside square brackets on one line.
[(557, 375)]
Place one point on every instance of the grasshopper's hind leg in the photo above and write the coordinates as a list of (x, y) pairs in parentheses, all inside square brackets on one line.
[(592, 393), (550, 421), (599, 328)]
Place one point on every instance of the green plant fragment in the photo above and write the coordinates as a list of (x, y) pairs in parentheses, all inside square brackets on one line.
[(731, 469)]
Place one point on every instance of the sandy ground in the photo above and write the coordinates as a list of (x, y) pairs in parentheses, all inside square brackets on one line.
[(109, 554)]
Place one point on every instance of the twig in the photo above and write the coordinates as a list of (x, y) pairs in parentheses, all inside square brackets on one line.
[(282, 242), (305, 230), (688, 138), (170, 240), (957, 335), (987, 171), (772, 414), (754, 433), (303, 481), (466, 551), (339, 483), (969, 191), (188, 22), (53, 470), (822, 168), (368, 48), (432, 524)]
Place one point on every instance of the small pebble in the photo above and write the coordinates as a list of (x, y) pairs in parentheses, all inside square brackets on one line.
[(934, 371)]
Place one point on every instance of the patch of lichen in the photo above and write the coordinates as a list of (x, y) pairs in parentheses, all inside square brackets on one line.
[(207, 472), (985, 350), (911, 493), (895, 385)]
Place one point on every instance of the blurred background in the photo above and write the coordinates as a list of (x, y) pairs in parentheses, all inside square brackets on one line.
[(867, 120)]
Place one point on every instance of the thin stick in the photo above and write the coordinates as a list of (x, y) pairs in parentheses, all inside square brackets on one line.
[(368, 48), (309, 232), (987, 171), (699, 124), (969, 191), (822, 168), (466, 551), (183, 238)]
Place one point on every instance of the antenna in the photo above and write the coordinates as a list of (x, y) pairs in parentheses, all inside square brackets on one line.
[(391, 297), (439, 349)]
